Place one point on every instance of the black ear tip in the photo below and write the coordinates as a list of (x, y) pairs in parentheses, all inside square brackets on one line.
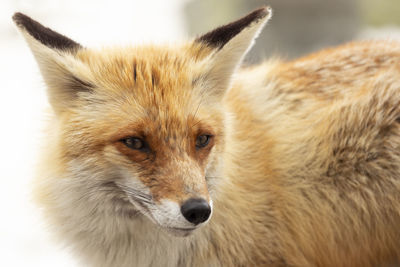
[(220, 36), (261, 12), (20, 18), (44, 35)]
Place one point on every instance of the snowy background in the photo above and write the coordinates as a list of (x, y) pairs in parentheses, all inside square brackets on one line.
[(23, 239)]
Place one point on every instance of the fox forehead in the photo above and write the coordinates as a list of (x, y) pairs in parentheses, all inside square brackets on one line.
[(150, 72), (154, 80)]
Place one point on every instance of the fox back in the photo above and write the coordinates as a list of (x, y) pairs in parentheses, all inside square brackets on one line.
[(175, 156)]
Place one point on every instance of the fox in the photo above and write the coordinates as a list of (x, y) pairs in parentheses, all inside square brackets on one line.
[(180, 155)]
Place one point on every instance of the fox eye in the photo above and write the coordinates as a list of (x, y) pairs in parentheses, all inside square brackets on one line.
[(202, 140), (134, 143)]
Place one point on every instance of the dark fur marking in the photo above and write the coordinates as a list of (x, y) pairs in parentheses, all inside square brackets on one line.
[(134, 71), (153, 80), (44, 35), (220, 36), (72, 86), (79, 85)]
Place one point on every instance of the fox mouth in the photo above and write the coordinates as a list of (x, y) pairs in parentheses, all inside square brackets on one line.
[(142, 204), (175, 231), (182, 232)]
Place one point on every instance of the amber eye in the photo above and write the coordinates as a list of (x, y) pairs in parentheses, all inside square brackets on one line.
[(134, 143), (202, 140)]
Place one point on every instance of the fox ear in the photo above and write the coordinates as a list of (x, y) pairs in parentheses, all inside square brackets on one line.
[(55, 55), (228, 45)]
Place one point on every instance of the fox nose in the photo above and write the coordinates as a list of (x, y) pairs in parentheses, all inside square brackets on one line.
[(196, 210)]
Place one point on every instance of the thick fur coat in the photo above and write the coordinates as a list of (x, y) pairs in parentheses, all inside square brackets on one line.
[(301, 166)]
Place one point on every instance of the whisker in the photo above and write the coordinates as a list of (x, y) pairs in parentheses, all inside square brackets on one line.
[(136, 194), (194, 124), (116, 188)]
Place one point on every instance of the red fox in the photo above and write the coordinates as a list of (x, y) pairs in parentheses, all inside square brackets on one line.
[(177, 156)]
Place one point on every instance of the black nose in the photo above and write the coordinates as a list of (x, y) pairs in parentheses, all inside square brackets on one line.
[(196, 210)]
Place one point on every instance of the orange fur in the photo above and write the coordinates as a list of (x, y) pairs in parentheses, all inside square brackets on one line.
[(303, 167)]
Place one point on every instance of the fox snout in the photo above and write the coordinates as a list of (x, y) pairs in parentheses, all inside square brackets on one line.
[(196, 210), (183, 201)]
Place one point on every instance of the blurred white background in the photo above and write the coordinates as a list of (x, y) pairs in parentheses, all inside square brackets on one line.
[(297, 27)]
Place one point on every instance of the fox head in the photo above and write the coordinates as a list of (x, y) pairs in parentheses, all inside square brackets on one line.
[(143, 124)]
